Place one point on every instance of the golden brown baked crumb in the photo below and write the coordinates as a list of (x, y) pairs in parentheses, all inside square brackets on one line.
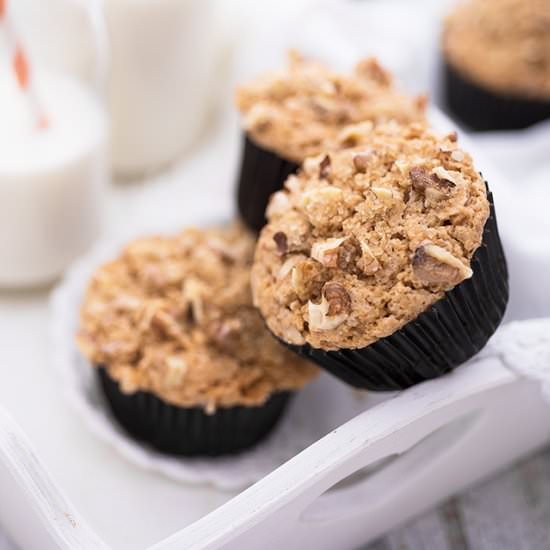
[(372, 237), (295, 112), (174, 316), (503, 45)]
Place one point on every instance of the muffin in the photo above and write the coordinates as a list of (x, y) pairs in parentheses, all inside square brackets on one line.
[(185, 361), (297, 112), (497, 63), (383, 263)]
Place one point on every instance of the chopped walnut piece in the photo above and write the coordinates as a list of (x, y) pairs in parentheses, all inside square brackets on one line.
[(348, 255), (289, 264), (353, 134), (451, 178), (326, 252), (324, 167), (368, 263), (281, 242), (361, 161), (177, 368), (293, 336), (457, 155), (435, 265), (193, 292), (226, 334), (278, 204), (333, 310), (431, 185), (385, 194), (258, 118), (338, 299), (307, 278)]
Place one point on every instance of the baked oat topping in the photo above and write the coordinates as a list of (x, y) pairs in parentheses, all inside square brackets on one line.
[(379, 245), (174, 316), (297, 111), (502, 45)]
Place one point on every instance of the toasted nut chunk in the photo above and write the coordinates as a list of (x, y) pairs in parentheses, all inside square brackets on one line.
[(328, 193), (338, 298), (226, 334), (352, 135), (324, 167), (193, 290), (361, 161), (369, 264), (292, 335), (278, 204), (326, 252), (333, 310), (403, 167), (385, 194), (431, 185), (258, 118), (176, 370), (458, 155), (451, 178), (324, 193), (433, 264), (228, 253), (293, 183), (281, 242), (289, 264), (348, 255), (307, 278)]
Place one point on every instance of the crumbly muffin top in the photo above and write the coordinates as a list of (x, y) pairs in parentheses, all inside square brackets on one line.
[(174, 316), (361, 241), (503, 45), (295, 112)]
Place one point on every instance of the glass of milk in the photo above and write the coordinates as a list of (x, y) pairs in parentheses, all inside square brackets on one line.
[(53, 171), (162, 62)]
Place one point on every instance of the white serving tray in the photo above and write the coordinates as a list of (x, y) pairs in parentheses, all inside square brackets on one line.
[(377, 470), (404, 454)]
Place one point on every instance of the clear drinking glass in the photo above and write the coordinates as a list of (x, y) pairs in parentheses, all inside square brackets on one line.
[(53, 137)]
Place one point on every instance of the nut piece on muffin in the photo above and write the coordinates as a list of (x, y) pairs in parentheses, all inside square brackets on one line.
[(497, 55), (364, 240), (172, 317)]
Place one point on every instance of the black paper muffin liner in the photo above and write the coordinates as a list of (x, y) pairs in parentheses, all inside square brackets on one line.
[(483, 110), (191, 431), (452, 331), (262, 173)]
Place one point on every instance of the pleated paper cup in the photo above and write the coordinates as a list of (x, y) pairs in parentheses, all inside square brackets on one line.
[(484, 110), (262, 173), (190, 431)]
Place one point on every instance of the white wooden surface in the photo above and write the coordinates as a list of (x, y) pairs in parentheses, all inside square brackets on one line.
[(509, 511)]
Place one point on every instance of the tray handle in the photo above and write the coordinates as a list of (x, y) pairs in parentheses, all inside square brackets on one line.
[(405, 441), (38, 512)]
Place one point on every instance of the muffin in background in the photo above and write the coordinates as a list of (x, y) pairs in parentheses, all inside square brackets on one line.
[(496, 53), (297, 112), (383, 263), (185, 361)]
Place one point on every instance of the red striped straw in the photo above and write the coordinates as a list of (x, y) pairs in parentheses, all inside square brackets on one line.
[(21, 68)]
